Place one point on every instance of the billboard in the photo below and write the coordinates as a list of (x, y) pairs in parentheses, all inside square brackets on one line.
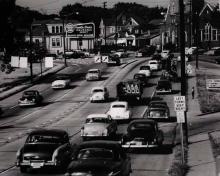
[(81, 30)]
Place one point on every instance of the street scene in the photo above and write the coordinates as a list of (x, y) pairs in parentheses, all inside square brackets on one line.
[(110, 88)]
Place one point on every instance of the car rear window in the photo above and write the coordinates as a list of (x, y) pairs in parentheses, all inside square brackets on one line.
[(44, 139), (29, 93), (93, 71), (98, 90), (95, 153), (118, 106), (144, 68), (96, 120), (153, 62)]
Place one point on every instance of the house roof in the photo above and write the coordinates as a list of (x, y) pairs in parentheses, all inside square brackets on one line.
[(207, 5), (39, 30)]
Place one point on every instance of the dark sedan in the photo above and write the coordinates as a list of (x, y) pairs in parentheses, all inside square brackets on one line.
[(30, 98), (45, 148), (99, 158), (141, 77)]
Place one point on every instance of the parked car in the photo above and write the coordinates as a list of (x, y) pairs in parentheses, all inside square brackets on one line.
[(154, 65), (145, 69), (93, 74), (141, 77), (169, 75), (99, 158), (30, 98), (119, 110), (99, 93), (164, 86), (158, 111), (157, 102), (98, 126), (121, 53), (74, 54), (61, 82), (45, 148), (215, 51), (142, 133)]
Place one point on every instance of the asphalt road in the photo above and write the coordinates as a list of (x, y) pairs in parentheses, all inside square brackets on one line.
[(67, 109)]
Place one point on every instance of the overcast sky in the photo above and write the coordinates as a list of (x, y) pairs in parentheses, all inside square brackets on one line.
[(54, 6)]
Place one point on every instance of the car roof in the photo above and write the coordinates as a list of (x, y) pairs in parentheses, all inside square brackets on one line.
[(150, 121), (97, 115), (30, 91), (98, 87), (119, 103), (152, 60), (94, 69), (56, 132)]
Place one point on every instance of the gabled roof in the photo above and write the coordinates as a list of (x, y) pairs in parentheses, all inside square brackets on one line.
[(207, 5)]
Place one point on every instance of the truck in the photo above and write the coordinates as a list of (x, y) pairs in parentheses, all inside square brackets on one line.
[(129, 90)]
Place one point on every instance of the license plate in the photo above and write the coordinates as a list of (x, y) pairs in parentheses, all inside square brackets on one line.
[(136, 143), (36, 165)]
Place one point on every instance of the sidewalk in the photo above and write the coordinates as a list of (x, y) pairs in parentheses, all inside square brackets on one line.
[(200, 157)]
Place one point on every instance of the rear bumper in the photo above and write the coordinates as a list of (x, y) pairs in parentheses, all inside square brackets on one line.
[(37, 164), (22, 104), (138, 145)]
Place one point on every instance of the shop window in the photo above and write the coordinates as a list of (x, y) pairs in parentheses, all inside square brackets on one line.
[(56, 42), (53, 29)]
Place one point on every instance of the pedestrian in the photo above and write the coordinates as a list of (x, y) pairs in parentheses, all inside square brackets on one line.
[(193, 92)]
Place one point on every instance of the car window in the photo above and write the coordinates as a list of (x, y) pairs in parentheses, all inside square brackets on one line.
[(98, 90), (144, 68), (153, 62), (29, 93), (93, 71), (95, 153), (157, 112), (118, 106), (44, 139), (97, 120)]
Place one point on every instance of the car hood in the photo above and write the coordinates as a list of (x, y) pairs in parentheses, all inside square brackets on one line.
[(89, 127), (59, 82), (118, 111), (97, 167), (39, 149)]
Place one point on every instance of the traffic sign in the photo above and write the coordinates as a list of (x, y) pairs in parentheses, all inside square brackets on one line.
[(180, 116), (179, 103)]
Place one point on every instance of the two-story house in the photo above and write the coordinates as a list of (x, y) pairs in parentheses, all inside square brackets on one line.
[(51, 34)]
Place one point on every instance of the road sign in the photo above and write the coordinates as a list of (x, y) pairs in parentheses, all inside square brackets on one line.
[(69, 28), (212, 84), (105, 59), (98, 59), (180, 116), (179, 103)]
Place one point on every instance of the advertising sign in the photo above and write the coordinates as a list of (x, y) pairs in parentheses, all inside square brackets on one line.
[(212, 84), (179, 103), (48, 62), (180, 116), (15, 61), (69, 28), (83, 30), (23, 62)]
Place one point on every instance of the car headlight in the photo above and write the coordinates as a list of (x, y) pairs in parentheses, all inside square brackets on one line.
[(114, 173), (105, 132)]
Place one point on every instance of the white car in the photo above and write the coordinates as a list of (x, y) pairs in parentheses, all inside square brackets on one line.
[(93, 74), (119, 110), (165, 54), (98, 125), (154, 65), (145, 69), (61, 82), (99, 93)]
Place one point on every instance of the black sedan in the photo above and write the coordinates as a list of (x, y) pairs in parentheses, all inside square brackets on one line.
[(99, 158), (141, 77), (45, 148), (30, 98)]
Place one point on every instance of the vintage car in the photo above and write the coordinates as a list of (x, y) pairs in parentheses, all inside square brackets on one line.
[(99, 158), (145, 69), (61, 82), (169, 75), (30, 98), (93, 74), (157, 102), (119, 110), (164, 86), (98, 126), (154, 65), (45, 148), (142, 133), (99, 93), (157, 111), (141, 77), (121, 53)]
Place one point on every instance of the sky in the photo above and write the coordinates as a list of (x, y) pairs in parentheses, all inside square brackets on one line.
[(54, 6)]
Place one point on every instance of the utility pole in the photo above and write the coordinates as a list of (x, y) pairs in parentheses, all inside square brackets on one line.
[(104, 5), (31, 54), (182, 53), (197, 39), (190, 24), (64, 45)]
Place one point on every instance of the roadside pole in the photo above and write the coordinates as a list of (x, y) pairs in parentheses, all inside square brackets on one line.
[(180, 108), (30, 54)]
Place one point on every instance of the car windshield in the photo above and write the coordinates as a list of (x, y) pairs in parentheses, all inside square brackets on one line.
[(93, 71), (138, 76), (44, 139), (95, 153), (153, 62), (144, 68), (157, 112), (164, 84), (97, 120), (118, 106), (142, 125), (29, 93), (97, 90)]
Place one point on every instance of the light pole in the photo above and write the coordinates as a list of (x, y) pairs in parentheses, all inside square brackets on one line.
[(30, 54), (64, 41)]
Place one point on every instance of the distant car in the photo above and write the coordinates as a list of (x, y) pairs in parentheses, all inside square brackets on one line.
[(164, 86), (158, 111), (99, 93), (169, 75), (213, 52), (45, 148), (165, 54), (154, 65), (157, 102), (30, 98), (61, 82), (145, 69), (119, 110), (121, 53), (145, 52), (141, 77), (74, 54), (142, 133), (99, 158), (98, 126), (93, 74)]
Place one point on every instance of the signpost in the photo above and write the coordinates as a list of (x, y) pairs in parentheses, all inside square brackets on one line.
[(180, 108)]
